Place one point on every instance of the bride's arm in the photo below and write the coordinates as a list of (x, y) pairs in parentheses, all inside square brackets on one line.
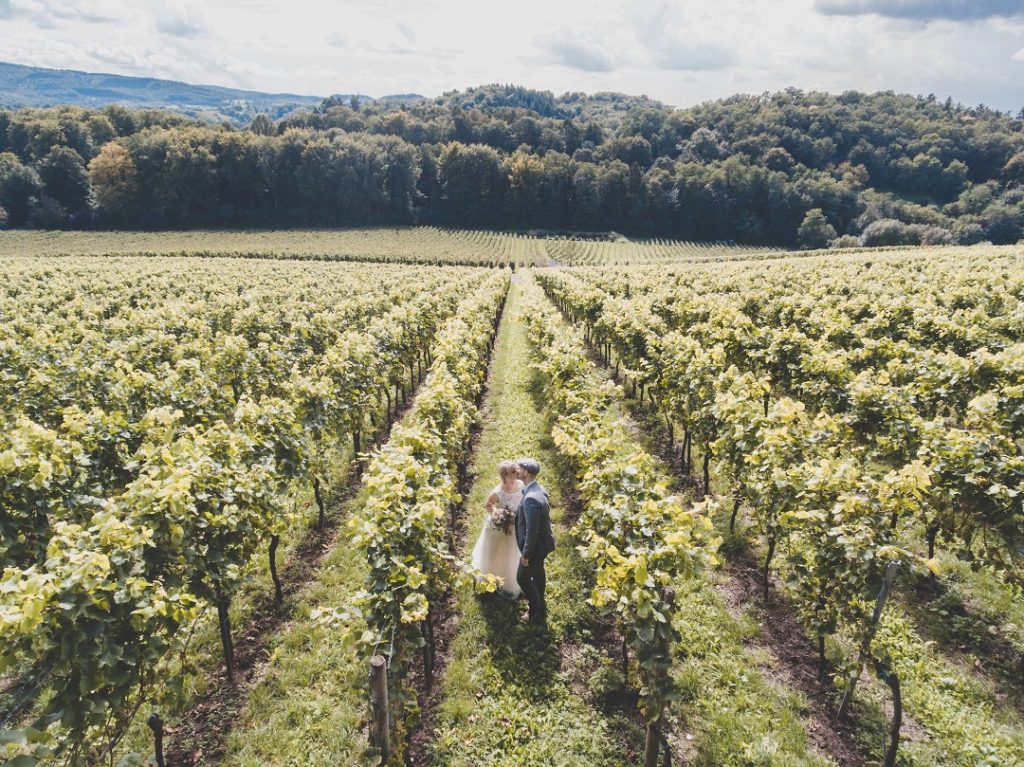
[(492, 501)]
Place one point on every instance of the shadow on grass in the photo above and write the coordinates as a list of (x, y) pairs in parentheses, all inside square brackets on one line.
[(523, 654), (535, 388), (942, 616)]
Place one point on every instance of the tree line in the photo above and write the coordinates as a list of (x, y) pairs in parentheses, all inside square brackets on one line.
[(789, 168)]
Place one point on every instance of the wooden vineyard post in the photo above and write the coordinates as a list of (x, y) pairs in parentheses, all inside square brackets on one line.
[(275, 541), (319, 503), (224, 621), (707, 469), (380, 733), (766, 573), (652, 745), (887, 675), (655, 730), (427, 632), (156, 724), (625, 664), (865, 647)]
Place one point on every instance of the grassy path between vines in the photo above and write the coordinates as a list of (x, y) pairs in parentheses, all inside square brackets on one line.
[(515, 694), (780, 708), (954, 713), (308, 704), (197, 726)]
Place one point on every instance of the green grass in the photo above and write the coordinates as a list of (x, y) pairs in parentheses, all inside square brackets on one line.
[(968, 726), (987, 596), (954, 714), (738, 717), (971, 613), (294, 655), (310, 705), (509, 698)]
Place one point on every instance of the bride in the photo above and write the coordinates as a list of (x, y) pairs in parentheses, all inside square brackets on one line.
[(496, 551)]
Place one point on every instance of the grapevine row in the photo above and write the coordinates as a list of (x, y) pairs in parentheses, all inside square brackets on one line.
[(406, 520), (643, 540), (901, 401), (392, 245), (804, 485)]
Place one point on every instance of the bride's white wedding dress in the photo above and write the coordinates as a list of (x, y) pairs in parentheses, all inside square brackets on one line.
[(496, 552)]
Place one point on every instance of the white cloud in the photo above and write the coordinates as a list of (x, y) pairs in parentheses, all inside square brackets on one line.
[(179, 26), (674, 41), (180, 19), (47, 13), (407, 31), (694, 57), (570, 49), (337, 40), (675, 51)]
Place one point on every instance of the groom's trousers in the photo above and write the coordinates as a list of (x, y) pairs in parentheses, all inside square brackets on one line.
[(532, 580)]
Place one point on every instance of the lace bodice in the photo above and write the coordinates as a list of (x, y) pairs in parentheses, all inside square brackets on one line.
[(510, 501)]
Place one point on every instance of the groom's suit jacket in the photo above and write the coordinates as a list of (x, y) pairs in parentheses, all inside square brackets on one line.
[(533, 523)]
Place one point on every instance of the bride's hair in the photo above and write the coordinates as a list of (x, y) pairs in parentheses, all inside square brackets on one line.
[(505, 468)]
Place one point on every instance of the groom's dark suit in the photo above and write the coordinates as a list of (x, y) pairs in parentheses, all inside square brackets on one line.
[(536, 541)]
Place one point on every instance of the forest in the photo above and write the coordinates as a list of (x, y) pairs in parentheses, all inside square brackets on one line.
[(791, 169)]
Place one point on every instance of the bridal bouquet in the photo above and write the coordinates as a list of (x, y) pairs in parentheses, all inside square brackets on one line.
[(503, 520)]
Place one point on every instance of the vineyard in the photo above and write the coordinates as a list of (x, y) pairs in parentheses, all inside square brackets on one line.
[(597, 252), (408, 245), (858, 429), (240, 475)]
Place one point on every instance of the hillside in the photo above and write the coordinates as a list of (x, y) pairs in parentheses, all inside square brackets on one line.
[(22, 86), (792, 168)]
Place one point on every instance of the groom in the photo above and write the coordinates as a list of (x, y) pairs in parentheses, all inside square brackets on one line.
[(535, 539)]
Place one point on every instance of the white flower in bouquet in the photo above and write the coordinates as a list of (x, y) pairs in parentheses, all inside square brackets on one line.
[(503, 520)]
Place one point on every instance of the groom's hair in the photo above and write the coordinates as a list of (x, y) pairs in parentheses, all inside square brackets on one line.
[(530, 465)]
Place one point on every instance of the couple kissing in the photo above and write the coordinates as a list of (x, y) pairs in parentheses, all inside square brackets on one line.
[(516, 536)]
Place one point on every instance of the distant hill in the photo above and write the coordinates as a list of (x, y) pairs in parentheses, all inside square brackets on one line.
[(22, 86), (781, 169), (569, 106)]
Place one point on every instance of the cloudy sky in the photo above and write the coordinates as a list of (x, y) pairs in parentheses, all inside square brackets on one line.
[(679, 51)]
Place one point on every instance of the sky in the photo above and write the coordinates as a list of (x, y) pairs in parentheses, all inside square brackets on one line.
[(680, 52)]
